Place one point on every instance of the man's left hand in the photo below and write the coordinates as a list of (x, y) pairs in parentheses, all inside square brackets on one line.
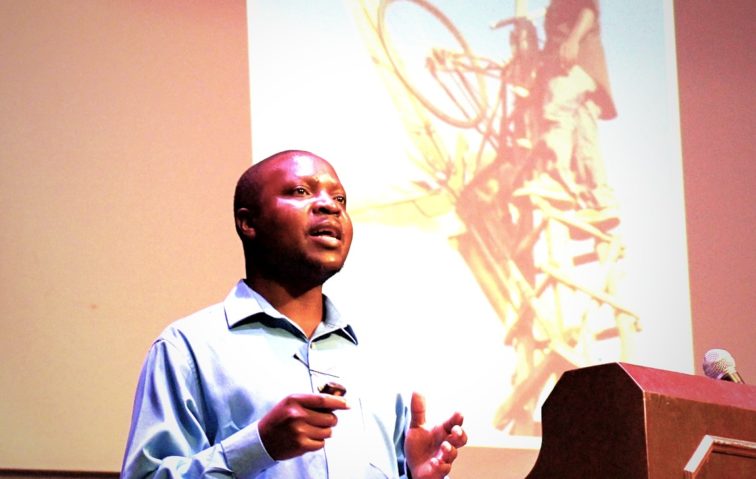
[(431, 451)]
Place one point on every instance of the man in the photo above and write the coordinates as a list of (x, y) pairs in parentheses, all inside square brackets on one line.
[(233, 390), (577, 94)]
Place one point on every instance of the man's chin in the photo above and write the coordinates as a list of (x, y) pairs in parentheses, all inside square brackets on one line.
[(327, 271), (319, 270)]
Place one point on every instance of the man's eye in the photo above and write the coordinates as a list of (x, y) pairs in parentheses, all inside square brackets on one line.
[(340, 199), (300, 190)]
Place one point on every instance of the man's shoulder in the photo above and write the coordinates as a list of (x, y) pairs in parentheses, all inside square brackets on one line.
[(205, 323), (208, 320)]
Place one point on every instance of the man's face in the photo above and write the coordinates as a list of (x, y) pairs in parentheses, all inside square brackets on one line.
[(302, 227)]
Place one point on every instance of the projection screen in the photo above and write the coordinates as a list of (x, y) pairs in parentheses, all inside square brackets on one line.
[(485, 283)]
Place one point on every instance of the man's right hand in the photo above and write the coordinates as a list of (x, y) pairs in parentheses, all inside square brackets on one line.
[(298, 424)]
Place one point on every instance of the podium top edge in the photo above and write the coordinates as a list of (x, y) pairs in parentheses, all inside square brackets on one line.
[(675, 384)]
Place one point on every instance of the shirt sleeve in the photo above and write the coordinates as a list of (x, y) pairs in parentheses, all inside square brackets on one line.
[(400, 435), (168, 436)]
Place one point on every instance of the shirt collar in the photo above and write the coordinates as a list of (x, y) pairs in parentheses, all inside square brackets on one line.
[(245, 304)]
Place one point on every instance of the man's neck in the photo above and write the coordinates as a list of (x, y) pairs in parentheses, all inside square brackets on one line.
[(305, 307)]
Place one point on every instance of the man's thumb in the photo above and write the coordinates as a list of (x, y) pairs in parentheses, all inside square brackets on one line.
[(417, 410)]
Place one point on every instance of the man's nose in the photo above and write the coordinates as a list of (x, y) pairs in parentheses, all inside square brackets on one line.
[(325, 203)]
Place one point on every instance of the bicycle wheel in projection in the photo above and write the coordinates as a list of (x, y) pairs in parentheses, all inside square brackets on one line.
[(415, 35)]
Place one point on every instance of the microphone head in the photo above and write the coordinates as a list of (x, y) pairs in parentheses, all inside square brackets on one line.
[(718, 363)]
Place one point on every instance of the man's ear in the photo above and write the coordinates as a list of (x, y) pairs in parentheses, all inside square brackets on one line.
[(244, 223)]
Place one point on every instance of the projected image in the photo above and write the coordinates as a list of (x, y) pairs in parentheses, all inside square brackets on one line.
[(511, 143), (515, 184)]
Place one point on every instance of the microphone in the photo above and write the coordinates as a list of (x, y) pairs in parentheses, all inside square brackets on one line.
[(719, 364)]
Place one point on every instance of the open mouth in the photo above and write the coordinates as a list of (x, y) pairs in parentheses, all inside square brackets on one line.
[(326, 231)]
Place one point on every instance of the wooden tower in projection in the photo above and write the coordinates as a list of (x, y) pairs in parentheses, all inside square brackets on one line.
[(550, 266)]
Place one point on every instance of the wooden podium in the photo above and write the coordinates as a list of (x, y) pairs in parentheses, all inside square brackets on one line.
[(625, 421)]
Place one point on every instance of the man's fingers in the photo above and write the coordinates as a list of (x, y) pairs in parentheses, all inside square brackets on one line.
[(448, 453), (312, 432), (417, 410), (441, 467), (456, 419), (457, 437), (321, 409), (321, 402)]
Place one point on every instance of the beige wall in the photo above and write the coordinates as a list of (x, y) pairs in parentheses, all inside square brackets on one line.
[(716, 69), (123, 127)]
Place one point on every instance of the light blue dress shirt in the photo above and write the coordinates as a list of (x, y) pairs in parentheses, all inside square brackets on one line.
[(210, 377)]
